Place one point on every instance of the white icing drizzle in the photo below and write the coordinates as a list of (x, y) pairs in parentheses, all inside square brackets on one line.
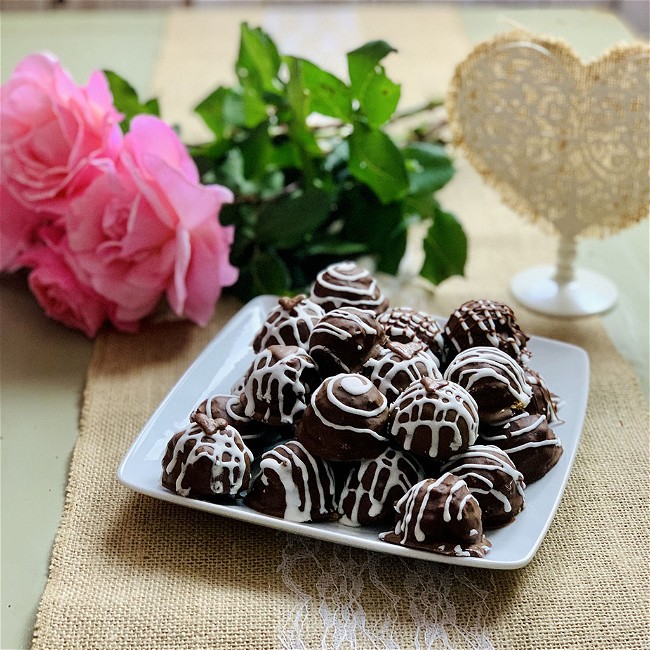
[(354, 385), (232, 400), (222, 441), (495, 364), (446, 397), (267, 379), (489, 317), (329, 386), (282, 325), (345, 283), (552, 442), (299, 508), (387, 365), (512, 434), (552, 401), (446, 514), (351, 315), (377, 494), (410, 509), (499, 462), (407, 323)]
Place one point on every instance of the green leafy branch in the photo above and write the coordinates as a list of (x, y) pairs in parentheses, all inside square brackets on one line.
[(315, 174)]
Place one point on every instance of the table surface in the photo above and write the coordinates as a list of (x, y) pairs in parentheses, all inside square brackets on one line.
[(44, 364)]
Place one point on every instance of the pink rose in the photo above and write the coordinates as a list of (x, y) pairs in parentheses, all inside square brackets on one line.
[(18, 227), (151, 229), (55, 137), (60, 293), (61, 289)]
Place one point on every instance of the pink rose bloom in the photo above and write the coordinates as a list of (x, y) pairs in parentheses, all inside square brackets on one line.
[(151, 229), (55, 137), (18, 227), (62, 291)]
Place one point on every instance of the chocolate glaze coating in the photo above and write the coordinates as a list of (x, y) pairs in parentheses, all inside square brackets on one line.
[(405, 325), (278, 385), (344, 339), (440, 515), (207, 458), (230, 409), (480, 323), (373, 486), (529, 442), (293, 485), (290, 322), (344, 284), (434, 419), (397, 365), (494, 379), (543, 401), (345, 420), (493, 479)]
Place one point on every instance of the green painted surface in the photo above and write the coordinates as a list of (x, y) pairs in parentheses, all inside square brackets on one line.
[(124, 41)]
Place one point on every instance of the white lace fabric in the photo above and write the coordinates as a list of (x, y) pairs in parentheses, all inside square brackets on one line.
[(346, 598)]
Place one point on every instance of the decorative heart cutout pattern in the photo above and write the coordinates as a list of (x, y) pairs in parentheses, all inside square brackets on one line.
[(562, 142)]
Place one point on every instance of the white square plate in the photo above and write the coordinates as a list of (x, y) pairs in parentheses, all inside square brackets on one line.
[(225, 360)]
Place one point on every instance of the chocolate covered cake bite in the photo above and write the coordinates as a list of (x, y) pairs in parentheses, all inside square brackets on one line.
[(434, 418), (542, 401), (480, 323), (344, 284), (493, 479), (278, 385), (405, 325), (397, 365), (344, 339), (529, 442), (345, 420), (293, 484), (290, 322), (495, 381), (442, 516), (373, 486), (230, 409), (208, 458)]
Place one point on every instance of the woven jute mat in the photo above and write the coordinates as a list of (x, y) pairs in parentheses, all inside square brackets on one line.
[(129, 571)]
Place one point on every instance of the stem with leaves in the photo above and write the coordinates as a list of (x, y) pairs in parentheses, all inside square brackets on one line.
[(315, 174)]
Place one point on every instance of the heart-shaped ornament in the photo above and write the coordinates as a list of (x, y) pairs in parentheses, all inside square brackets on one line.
[(562, 142)]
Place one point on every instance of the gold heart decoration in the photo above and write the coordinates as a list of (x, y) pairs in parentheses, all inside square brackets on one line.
[(562, 142)]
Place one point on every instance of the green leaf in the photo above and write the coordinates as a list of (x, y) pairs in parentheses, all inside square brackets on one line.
[(222, 110), (265, 273), (377, 95), (445, 248), (284, 154), (258, 62), (420, 206), (376, 161), (289, 221), (336, 247), (298, 97), (428, 166), (125, 99), (256, 151), (325, 93), (231, 174), (380, 227)]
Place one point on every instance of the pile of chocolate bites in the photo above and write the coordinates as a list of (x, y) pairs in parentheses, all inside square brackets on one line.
[(355, 412)]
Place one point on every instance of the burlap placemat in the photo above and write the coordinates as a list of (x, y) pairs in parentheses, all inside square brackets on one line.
[(129, 571)]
